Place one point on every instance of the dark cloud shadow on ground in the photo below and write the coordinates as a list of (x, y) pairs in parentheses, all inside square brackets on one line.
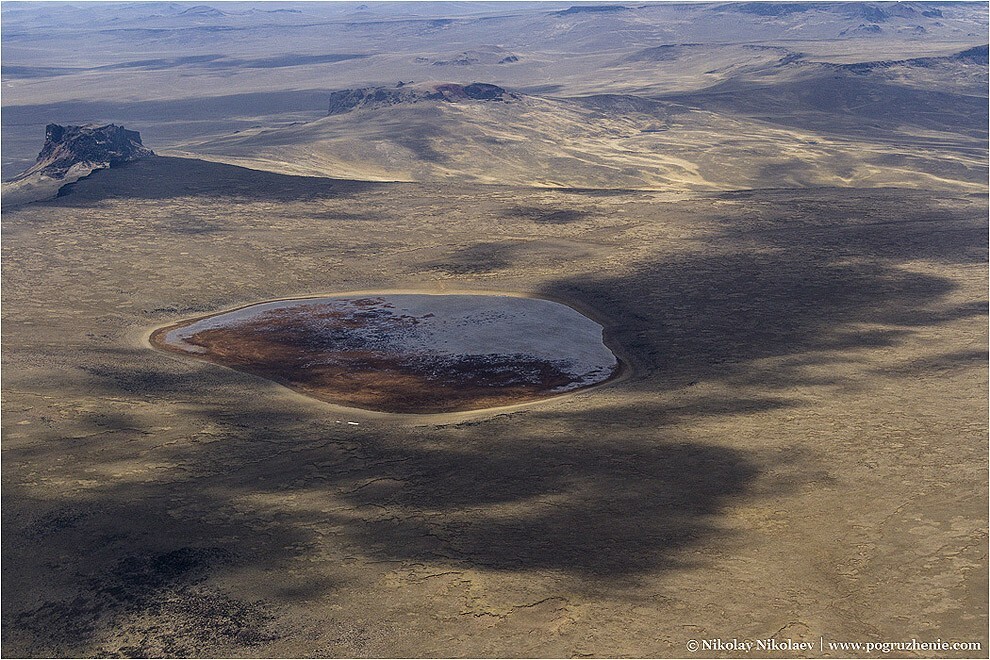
[(202, 108), (844, 105), (188, 61), (601, 493), (165, 178)]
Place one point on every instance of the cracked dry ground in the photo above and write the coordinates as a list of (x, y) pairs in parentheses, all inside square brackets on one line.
[(800, 451)]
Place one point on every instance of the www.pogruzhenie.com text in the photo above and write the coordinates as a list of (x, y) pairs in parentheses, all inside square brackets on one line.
[(822, 645)]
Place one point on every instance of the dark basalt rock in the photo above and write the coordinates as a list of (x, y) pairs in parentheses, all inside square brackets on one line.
[(463, 60), (85, 148), (862, 28), (345, 100), (483, 92), (976, 55)]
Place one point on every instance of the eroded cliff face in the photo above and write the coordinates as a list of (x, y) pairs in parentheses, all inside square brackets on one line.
[(94, 147), (70, 153), (379, 97)]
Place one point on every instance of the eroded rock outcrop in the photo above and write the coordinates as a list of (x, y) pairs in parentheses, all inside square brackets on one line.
[(70, 148), (70, 153), (347, 100)]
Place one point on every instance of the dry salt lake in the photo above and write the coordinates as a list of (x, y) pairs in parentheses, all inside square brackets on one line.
[(404, 352)]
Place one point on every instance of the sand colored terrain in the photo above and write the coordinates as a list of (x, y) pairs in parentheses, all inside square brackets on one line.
[(776, 211), (805, 428), (227, 79), (800, 128)]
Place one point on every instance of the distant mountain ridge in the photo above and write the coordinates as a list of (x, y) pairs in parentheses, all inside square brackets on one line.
[(875, 12), (975, 55)]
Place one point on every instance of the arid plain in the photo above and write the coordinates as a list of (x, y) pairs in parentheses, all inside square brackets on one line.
[(797, 451)]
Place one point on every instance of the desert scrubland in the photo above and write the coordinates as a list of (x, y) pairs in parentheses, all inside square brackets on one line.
[(778, 215)]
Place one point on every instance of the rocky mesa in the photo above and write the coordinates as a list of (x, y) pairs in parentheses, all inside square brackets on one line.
[(70, 153), (346, 100)]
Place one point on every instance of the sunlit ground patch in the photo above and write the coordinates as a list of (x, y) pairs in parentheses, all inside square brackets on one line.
[(407, 353)]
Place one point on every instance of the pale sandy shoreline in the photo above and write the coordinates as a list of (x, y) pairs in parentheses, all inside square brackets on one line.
[(149, 338)]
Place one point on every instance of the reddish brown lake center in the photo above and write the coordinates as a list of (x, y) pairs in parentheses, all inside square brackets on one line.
[(408, 353)]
